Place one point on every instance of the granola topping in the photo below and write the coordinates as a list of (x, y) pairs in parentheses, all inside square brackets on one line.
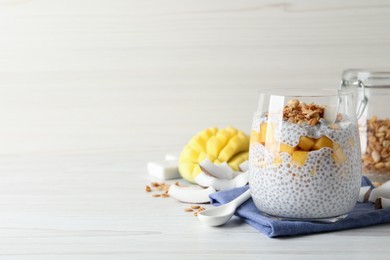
[(300, 112)]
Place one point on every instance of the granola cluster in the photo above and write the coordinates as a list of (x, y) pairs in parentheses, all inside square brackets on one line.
[(377, 155), (299, 112)]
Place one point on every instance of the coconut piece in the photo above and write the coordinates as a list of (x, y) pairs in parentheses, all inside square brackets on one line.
[(235, 173), (382, 203), (330, 114), (364, 194), (381, 191), (220, 171), (164, 170), (244, 166), (206, 180), (190, 194)]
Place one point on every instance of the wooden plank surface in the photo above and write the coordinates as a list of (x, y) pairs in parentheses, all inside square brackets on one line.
[(92, 90)]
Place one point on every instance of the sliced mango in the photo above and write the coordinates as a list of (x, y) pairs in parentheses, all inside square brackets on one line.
[(299, 157), (239, 158), (214, 146), (218, 145), (306, 143), (286, 148), (322, 142), (238, 143)]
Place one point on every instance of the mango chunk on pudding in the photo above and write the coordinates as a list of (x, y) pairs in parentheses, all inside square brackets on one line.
[(263, 133), (322, 142), (306, 143), (266, 133), (299, 157), (286, 149)]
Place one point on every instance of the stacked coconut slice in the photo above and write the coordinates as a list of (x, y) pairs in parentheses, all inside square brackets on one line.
[(212, 178)]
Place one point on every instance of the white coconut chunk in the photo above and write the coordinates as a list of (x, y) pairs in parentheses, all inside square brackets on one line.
[(244, 166), (235, 174), (164, 170), (330, 114), (381, 191), (220, 171), (363, 193), (382, 203), (206, 180), (190, 194)]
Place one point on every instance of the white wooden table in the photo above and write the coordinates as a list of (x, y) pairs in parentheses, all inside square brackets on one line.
[(92, 90)]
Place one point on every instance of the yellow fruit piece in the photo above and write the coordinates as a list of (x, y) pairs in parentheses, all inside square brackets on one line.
[(238, 143), (286, 148), (218, 145), (203, 156), (277, 161), (199, 141), (214, 146), (322, 142), (263, 133), (299, 157), (237, 160), (306, 143), (255, 137), (190, 153), (338, 155), (267, 134)]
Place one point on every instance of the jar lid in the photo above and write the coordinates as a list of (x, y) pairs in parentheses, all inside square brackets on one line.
[(370, 78)]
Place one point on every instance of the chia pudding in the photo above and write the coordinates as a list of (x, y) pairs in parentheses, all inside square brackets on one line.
[(301, 169)]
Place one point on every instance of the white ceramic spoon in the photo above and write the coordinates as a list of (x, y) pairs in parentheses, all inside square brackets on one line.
[(220, 215)]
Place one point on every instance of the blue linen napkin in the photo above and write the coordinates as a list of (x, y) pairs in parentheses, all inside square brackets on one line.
[(362, 215)]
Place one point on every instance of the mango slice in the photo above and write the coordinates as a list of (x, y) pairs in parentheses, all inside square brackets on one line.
[(299, 157), (239, 158), (255, 137), (218, 145), (322, 142), (306, 143), (286, 148)]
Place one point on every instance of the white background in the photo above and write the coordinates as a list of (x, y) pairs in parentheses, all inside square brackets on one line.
[(93, 74), (90, 90)]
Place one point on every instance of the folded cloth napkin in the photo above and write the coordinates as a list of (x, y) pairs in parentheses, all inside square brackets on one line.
[(362, 215)]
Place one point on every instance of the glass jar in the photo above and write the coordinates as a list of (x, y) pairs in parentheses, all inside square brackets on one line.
[(372, 96), (304, 155)]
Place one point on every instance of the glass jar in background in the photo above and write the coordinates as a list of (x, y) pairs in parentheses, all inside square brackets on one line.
[(371, 90)]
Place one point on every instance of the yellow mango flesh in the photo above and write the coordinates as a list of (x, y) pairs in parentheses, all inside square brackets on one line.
[(299, 157), (306, 143), (286, 148), (322, 142), (218, 145), (266, 133), (255, 137), (239, 158)]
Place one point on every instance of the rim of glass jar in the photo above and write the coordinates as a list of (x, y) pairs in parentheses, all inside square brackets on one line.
[(323, 92), (352, 77)]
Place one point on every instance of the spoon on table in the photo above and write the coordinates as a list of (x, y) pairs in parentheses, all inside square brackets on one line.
[(220, 215)]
